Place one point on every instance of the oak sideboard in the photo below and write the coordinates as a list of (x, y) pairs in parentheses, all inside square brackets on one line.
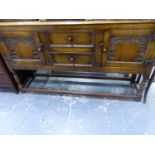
[(94, 46)]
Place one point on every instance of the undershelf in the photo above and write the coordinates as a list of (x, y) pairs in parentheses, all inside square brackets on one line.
[(100, 85)]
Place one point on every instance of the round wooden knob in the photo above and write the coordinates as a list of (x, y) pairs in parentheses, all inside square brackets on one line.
[(70, 38), (104, 49), (72, 59)]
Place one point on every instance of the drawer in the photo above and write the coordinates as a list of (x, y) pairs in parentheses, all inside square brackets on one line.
[(72, 59), (70, 37)]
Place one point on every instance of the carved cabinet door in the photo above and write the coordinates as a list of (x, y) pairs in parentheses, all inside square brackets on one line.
[(126, 47), (21, 48)]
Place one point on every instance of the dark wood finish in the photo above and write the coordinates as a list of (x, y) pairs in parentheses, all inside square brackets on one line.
[(7, 81), (21, 47), (126, 45), (88, 76), (138, 78), (149, 84), (109, 46), (133, 78), (116, 96), (142, 87), (70, 37)]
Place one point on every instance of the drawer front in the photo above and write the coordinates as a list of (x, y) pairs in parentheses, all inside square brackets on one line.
[(71, 37), (72, 59)]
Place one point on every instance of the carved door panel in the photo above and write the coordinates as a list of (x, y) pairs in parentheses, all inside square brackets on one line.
[(21, 48), (126, 46)]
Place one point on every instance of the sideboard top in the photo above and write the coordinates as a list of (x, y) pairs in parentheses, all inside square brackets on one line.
[(31, 22)]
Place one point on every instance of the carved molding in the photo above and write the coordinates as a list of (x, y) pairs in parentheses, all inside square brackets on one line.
[(141, 41), (12, 41)]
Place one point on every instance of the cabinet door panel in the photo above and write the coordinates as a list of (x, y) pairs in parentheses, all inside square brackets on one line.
[(21, 46), (129, 46), (128, 49), (21, 51)]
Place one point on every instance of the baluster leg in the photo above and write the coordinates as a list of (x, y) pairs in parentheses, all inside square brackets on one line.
[(142, 87), (149, 84), (133, 78), (139, 78)]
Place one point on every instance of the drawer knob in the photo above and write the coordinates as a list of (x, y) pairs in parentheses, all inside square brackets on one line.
[(72, 59), (70, 38)]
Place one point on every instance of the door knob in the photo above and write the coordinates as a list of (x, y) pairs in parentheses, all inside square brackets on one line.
[(103, 49), (40, 48)]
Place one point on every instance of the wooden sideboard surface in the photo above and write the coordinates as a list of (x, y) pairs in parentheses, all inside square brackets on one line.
[(104, 46)]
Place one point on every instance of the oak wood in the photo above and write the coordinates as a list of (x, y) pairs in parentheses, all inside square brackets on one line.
[(45, 91), (110, 46), (80, 22)]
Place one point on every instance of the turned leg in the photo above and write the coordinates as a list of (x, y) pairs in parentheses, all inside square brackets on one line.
[(142, 87), (149, 84), (139, 78), (133, 78)]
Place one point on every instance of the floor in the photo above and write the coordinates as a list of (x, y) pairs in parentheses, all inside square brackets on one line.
[(56, 114)]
